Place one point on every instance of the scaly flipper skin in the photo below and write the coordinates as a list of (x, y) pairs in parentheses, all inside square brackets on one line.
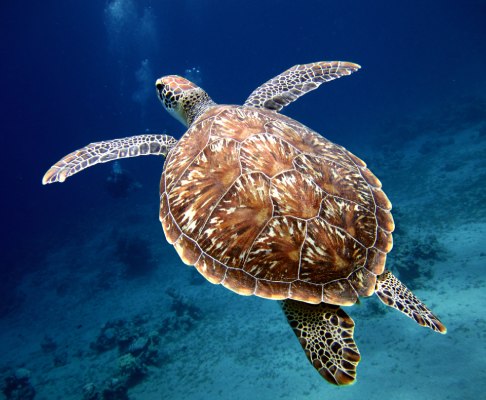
[(297, 81), (395, 294), (110, 150), (326, 334)]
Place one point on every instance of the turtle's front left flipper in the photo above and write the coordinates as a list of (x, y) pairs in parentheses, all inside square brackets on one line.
[(326, 334), (110, 150), (297, 81), (395, 294)]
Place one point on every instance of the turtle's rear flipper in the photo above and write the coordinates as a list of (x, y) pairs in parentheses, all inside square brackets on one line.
[(110, 150), (326, 335), (395, 294)]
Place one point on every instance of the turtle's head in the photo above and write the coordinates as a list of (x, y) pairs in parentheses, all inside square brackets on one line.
[(184, 100)]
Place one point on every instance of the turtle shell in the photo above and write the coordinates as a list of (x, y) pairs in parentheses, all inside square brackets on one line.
[(264, 205)]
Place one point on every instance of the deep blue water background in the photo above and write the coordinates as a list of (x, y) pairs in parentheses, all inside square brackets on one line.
[(69, 77)]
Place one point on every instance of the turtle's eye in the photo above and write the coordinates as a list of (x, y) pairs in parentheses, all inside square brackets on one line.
[(159, 86)]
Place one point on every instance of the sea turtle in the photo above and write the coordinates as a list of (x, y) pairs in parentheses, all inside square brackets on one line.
[(265, 206)]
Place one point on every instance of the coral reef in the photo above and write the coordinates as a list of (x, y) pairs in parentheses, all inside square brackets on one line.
[(182, 307), (131, 369), (186, 314), (139, 343), (146, 348), (60, 359), (115, 390), (48, 345), (117, 333), (90, 392), (17, 386), (135, 254), (138, 347)]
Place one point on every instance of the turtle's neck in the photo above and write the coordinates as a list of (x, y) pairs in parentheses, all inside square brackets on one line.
[(199, 108)]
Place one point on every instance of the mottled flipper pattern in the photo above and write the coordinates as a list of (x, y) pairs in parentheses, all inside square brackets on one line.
[(297, 81), (395, 294), (110, 150), (326, 335)]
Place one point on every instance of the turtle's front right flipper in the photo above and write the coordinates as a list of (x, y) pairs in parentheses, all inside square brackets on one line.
[(287, 87), (110, 150)]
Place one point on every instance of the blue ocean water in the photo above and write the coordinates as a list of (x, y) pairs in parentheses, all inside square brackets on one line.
[(85, 268)]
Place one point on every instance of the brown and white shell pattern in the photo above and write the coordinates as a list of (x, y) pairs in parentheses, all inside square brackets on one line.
[(263, 205)]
